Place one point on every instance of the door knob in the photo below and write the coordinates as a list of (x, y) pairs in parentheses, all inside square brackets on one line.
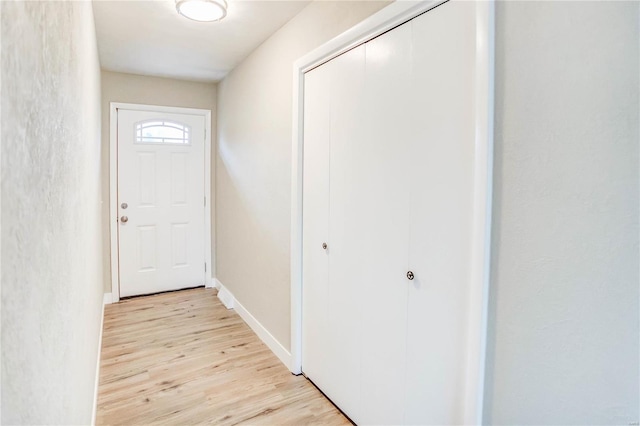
[(124, 219), (324, 246), (410, 275), (124, 205)]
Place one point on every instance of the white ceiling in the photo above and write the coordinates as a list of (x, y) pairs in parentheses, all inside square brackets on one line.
[(150, 38)]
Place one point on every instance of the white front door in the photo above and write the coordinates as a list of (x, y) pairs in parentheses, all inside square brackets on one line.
[(161, 201)]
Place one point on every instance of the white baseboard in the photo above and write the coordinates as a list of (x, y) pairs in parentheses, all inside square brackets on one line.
[(226, 297), (97, 383), (216, 284), (108, 299), (275, 346), (228, 300)]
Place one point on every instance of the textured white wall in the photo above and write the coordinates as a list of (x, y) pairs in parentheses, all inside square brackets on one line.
[(140, 89), (253, 170), (564, 330), (51, 238)]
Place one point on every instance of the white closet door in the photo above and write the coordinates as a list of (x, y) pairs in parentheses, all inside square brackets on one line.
[(383, 210), (348, 261), (441, 211), (315, 272), (388, 166)]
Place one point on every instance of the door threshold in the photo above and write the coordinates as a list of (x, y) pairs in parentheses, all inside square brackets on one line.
[(160, 292)]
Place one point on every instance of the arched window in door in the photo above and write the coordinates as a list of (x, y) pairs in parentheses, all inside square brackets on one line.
[(160, 131)]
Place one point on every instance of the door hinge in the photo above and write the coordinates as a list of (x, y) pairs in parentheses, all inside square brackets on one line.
[(205, 266), (205, 201)]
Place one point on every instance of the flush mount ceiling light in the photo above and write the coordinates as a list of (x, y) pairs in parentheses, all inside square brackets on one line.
[(202, 10)]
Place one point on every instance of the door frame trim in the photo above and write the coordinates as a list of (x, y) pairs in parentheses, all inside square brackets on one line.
[(113, 185), (386, 19)]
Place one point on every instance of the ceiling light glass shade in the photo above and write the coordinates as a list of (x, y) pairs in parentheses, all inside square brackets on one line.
[(202, 10)]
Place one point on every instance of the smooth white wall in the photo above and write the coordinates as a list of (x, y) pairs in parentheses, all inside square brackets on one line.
[(51, 239), (140, 89), (563, 345), (253, 170)]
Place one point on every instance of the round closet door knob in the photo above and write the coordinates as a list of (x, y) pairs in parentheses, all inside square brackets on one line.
[(124, 219), (410, 275), (324, 246)]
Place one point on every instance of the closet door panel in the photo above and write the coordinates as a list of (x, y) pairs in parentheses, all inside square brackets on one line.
[(315, 262), (442, 151), (346, 262), (382, 203)]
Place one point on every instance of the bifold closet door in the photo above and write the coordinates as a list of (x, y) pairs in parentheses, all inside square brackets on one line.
[(357, 314), (388, 187), (348, 265), (354, 326), (315, 260), (383, 209), (332, 269), (441, 180)]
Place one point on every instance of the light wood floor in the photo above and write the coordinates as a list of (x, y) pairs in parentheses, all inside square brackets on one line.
[(182, 358)]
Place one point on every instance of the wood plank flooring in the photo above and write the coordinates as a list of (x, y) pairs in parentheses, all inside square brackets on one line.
[(182, 358)]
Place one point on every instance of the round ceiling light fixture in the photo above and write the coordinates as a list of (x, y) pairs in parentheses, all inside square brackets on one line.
[(202, 10)]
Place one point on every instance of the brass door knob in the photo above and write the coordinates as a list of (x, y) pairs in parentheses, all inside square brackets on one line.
[(124, 219)]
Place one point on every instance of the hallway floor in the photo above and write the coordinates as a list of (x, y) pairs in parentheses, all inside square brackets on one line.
[(182, 358)]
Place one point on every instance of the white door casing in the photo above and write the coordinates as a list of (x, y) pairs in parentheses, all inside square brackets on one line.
[(160, 222)]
